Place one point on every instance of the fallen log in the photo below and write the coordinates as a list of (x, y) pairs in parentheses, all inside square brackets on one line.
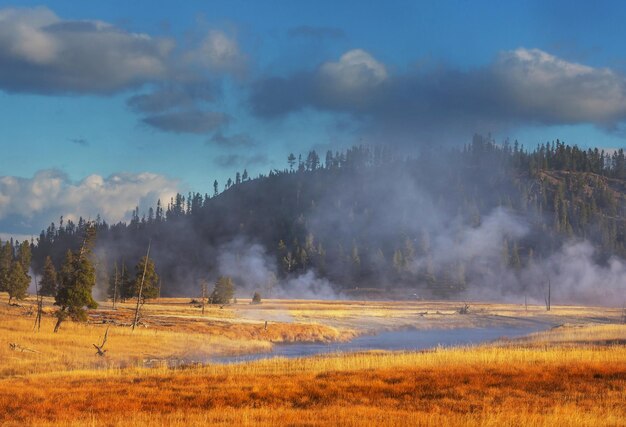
[(100, 348), (17, 347)]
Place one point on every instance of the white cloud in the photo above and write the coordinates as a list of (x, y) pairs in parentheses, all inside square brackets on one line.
[(219, 53), (547, 86), (39, 52), (355, 70), (50, 193), (518, 88)]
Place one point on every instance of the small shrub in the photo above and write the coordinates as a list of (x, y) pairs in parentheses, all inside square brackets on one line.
[(256, 298)]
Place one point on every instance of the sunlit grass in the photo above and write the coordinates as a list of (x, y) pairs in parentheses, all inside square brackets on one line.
[(568, 375), (469, 386)]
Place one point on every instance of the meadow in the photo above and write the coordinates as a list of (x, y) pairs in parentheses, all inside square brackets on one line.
[(573, 373)]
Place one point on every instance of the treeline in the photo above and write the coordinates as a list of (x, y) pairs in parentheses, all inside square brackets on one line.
[(365, 217), (15, 261)]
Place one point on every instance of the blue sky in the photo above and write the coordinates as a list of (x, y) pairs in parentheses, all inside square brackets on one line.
[(106, 105)]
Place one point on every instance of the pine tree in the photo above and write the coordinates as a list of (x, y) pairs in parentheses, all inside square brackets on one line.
[(18, 282), (398, 261), (125, 284), (288, 262), (159, 212), (224, 291), (150, 281), (291, 159), (76, 281), (303, 258), (24, 256), (49, 279), (516, 262), (113, 291), (6, 259), (256, 298)]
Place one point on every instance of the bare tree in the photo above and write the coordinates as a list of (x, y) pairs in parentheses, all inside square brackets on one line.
[(37, 325), (143, 277), (100, 348), (204, 295), (115, 283)]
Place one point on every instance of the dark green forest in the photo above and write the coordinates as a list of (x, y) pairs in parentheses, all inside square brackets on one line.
[(372, 220)]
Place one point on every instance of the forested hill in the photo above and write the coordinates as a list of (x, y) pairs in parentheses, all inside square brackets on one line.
[(435, 224)]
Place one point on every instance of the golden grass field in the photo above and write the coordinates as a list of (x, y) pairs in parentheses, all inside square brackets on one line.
[(572, 374)]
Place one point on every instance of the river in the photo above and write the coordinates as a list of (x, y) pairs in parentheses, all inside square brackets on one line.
[(402, 340)]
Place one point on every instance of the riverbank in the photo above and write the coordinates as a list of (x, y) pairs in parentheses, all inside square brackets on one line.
[(509, 383), (175, 331)]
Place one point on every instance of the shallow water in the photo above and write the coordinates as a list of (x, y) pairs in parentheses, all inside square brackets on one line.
[(407, 339)]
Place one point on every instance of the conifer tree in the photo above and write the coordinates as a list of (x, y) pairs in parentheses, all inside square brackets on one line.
[(125, 284), (291, 159), (224, 291), (516, 262), (18, 282), (49, 279), (6, 259), (24, 256), (398, 261), (288, 262), (150, 281), (76, 281)]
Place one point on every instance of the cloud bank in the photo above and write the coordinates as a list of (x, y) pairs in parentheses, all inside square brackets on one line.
[(520, 87), (41, 53), (28, 203)]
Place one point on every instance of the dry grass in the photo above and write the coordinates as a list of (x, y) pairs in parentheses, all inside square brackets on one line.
[(570, 375), (481, 386), (72, 347), (367, 316), (579, 335)]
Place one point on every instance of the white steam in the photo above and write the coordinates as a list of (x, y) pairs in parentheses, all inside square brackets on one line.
[(253, 270)]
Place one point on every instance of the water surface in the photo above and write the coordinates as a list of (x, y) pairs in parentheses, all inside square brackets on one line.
[(407, 340)]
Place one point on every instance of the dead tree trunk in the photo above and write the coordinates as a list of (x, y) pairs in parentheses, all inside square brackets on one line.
[(548, 302), (37, 325), (60, 318), (115, 287), (204, 292), (143, 277), (100, 348)]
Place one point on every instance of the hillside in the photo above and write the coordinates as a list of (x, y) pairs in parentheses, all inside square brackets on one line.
[(487, 218)]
